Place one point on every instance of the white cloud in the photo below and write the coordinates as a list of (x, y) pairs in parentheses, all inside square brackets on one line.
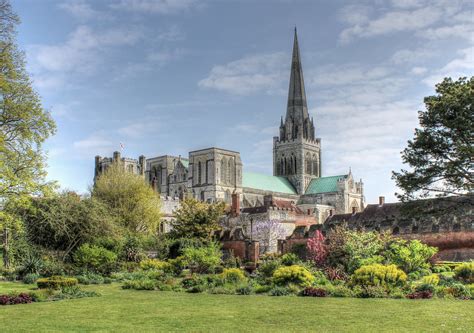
[(419, 70), (155, 6), (355, 14), (140, 129), (463, 31), (173, 33), (96, 144), (249, 75), (80, 52), (456, 68), (394, 21), (81, 10), (406, 56)]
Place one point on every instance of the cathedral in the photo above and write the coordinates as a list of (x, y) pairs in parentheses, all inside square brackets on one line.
[(297, 190)]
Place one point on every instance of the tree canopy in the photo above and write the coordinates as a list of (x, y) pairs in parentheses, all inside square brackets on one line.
[(196, 219), (24, 124), (440, 155), (133, 203)]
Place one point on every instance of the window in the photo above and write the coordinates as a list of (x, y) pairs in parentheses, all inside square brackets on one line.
[(202, 196), (207, 172), (199, 172), (457, 227), (229, 172), (223, 171), (396, 231)]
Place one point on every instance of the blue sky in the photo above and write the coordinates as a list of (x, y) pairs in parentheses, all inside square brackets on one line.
[(171, 76)]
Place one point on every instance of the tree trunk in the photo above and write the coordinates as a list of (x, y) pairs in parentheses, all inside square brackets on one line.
[(6, 259)]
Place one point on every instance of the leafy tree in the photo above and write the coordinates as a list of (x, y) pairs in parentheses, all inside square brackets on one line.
[(65, 221), (440, 155), (24, 124), (202, 259), (133, 203), (196, 219)]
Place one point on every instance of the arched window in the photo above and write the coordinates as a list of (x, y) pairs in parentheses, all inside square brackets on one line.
[(295, 165), (435, 228), (457, 227), (282, 170), (229, 171), (207, 172), (223, 171), (199, 172), (308, 164), (414, 229)]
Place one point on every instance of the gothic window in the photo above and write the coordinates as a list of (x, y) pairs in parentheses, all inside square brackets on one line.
[(281, 167), (457, 227), (207, 172), (202, 196), (295, 166), (396, 231), (199, 172), (308, 164), (229, 172), (223, 171)]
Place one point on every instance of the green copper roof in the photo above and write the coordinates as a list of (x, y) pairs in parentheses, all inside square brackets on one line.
[(267, 183), (323, 184), (185, 163)]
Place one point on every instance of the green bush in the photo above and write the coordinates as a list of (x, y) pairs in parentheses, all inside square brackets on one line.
[(203, 259), (95, 258), (379, 275), (268, 267), (369, 292), (90, 278), (279, 291), (289, 259), (259, 289), (339, 291), (31, 278), (154, 264), (244, 289), (432, 279), (233, 275), (56, 282), (142, 284), (410, 256), (465, 272), (293, 274)]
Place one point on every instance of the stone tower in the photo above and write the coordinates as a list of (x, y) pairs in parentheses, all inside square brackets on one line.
[(296, 152)]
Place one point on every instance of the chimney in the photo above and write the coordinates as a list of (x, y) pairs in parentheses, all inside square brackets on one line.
[(235, 209), (381, 200), (354, 210)]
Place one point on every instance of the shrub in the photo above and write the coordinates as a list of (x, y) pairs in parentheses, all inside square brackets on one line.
[(465, 272), (22, 298), (203, 259), (314, 292), (432, 279), (259, 289), (233, 275), (153, 264), (90, 278), (339, 291), (268, 267), (424, 294), (56, 282), (30, 278), (379, 275), (289, 259), (293, 274), (369, 292), (95, 258), (410, 256), (72, 292), (195, 284), (279, 291), (31, 264), (222, 290), (335, 273), (458, 290), (142, 284), (316, 249), (244, 289)]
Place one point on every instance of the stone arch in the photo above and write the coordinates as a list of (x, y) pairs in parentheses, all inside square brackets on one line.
[(355, 204)]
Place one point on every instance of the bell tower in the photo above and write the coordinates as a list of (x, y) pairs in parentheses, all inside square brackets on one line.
[(296, 152)]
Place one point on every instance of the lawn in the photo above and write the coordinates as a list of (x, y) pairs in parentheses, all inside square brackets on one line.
[(138, 311)]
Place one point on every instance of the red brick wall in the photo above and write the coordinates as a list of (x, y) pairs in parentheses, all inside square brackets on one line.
[(245, 250)]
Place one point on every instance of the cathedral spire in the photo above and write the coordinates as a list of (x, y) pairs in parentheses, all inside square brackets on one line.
[(297, 107)]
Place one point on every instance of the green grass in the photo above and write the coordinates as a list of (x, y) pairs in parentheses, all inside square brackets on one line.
[(120, 310)]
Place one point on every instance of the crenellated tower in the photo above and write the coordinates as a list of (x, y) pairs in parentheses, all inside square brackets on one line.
[(297, 152)]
